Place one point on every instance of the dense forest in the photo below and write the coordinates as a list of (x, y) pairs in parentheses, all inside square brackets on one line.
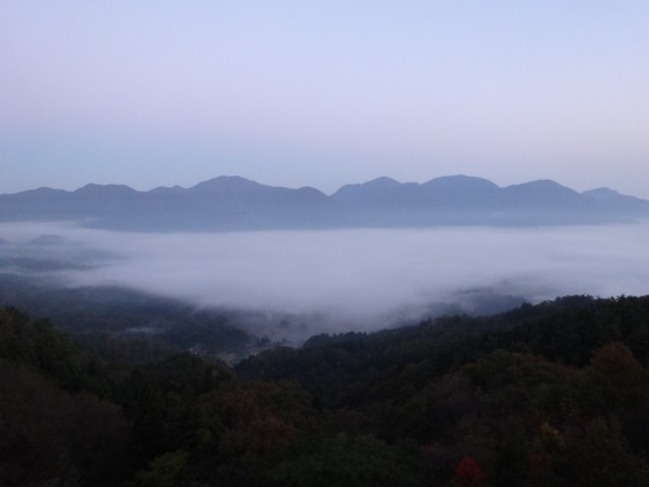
[(549, 394)]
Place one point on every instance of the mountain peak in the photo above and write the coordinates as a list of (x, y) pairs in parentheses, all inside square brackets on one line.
[(94, 190), (541, 186), (461, 182), (601, 193), (370, 189), (225, 183), (236, 203), (383, 181)]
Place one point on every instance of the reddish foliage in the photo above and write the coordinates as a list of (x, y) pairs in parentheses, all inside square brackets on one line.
[(468, 473)]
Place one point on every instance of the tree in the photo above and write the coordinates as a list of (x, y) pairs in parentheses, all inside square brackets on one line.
[(468, 473)]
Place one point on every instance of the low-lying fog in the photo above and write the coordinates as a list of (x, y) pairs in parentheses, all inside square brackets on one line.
[(356, 278)]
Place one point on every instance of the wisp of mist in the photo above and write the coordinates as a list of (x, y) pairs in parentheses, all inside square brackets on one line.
[(360, 278)]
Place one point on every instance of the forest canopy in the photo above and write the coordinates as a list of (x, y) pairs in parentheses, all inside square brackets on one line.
[(548, 394)]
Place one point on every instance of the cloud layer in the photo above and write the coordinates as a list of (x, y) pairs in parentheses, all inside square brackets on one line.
[(356, 278)]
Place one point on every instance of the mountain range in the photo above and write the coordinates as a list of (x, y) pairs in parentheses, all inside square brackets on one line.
[(231, 203)]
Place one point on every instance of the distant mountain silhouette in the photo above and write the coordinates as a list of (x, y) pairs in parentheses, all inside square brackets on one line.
[(229, 203), (464, 200)]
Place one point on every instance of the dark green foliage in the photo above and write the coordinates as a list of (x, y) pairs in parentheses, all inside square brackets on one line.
[(123, 324), (48, 434), (494, 387), (553, 394), (163, 471), (354, 462), (53, 353)]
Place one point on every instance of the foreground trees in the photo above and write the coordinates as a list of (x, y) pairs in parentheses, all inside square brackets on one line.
[(513, 399)]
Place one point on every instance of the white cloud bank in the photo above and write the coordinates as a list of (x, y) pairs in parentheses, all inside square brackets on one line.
[(360, 276)]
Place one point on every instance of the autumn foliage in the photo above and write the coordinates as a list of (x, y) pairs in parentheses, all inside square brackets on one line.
[(468, 473), (553, 394)]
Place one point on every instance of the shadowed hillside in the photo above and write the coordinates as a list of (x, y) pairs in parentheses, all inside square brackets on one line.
[(529, 397)]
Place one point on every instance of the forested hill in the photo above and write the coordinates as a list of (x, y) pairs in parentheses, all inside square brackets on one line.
[(551, 394), (566, 330)]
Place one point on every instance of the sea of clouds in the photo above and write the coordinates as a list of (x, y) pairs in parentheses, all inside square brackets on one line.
[(361, 278)]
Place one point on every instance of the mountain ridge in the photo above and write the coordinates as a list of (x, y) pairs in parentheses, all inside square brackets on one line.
[(231, 203)]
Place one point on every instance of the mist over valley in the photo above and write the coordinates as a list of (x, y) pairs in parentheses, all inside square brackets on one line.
[(284, 264), (289, 285), (272, 244)]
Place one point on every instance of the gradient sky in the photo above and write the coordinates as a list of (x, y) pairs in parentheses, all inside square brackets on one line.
[(322, 93)]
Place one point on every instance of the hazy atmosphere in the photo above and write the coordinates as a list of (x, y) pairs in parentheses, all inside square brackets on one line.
[(323, 93), (361, 279), (324, 243)]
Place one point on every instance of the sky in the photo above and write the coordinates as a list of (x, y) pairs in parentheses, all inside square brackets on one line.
[(323, 93)]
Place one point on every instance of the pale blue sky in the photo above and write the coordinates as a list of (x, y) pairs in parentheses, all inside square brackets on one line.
[(322, 93)]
